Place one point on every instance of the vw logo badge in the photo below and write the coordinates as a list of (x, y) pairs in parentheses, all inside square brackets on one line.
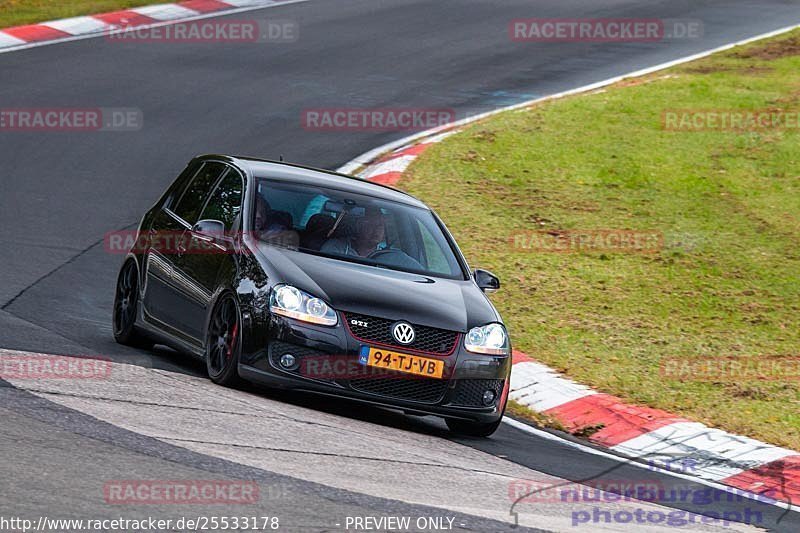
[(403, 333)]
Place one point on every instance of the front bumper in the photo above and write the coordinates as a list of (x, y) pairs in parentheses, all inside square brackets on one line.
[(327, 363)]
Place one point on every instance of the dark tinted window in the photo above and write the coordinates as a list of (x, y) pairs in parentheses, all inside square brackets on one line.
[(225, 202), (352, 227), (193, 198), (179, 185)]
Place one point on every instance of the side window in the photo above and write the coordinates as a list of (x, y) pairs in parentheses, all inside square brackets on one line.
[(437, 262), (179, 185), (225, 202), (191, 201)]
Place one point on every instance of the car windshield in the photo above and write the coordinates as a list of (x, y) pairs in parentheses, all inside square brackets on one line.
[(352, 227)]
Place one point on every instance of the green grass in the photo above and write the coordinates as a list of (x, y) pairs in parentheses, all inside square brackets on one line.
[(18, 12), (521, 412), (727, 281)]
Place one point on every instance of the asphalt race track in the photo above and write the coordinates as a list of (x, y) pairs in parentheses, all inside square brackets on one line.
[(316, 461)]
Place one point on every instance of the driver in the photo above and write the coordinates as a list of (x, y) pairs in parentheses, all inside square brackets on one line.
[(370, 233)]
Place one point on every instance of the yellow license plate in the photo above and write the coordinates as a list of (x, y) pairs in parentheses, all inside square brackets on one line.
[(401, 362)]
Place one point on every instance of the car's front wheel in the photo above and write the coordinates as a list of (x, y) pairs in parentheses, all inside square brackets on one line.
[(472, 429), (224, 342), (126, 306)]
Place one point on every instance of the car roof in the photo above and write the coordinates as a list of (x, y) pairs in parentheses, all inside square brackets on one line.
[(263, 168)]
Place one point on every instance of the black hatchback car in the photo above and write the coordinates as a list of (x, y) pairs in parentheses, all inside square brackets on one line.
[(306, 279)]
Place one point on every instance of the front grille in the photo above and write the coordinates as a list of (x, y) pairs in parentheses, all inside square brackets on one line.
[(469, 392), (379, 330), (422, 390)]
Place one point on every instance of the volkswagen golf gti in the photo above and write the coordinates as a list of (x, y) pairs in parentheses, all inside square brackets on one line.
[(299, 278)]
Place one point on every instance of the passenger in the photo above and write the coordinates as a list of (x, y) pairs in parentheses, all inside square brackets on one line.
[(316, 231), (370, 232), (274, 227), (262, 214), (267, 219)]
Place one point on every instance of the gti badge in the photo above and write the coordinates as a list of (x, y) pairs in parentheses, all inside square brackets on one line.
[(403, 333)]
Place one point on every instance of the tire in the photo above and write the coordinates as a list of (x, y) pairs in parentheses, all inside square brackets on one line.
[(472, 429), (224, 343), (126, 309)]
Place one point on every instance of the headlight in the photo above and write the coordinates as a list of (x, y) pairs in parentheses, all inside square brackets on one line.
[(288, 301), (490, 339)]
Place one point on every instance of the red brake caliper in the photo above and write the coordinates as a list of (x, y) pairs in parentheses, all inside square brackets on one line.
[(233, 339)]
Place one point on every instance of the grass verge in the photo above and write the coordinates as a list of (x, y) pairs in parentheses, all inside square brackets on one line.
[(726, 281), (19, 12), (521, 412)]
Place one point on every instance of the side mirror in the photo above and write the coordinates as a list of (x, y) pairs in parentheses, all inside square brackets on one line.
[(210, 228), (486, 281)]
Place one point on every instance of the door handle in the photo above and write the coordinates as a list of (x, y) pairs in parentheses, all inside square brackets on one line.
[(152, 233), (180, 244)]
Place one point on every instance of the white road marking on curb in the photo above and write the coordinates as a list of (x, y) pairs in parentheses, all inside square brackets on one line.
[(77, 25), (164, 12), (652, 468), (715, 454), (9, 40), (398, 164), (367, 170), (541, 388), (244, 3)]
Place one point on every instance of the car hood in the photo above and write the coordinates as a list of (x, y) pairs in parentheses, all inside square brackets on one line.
[(455, 305)]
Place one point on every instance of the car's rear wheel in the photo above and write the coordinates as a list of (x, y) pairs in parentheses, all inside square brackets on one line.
[(224, 342), (126, 307), (472, 429)]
